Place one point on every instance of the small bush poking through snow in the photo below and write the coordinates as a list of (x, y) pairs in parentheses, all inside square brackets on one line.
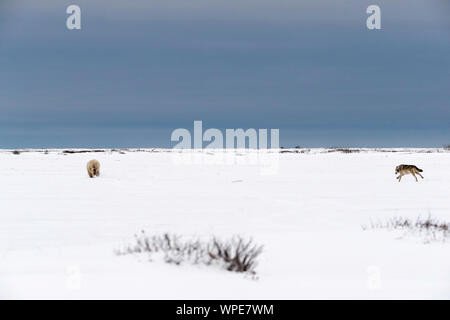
[(235, 254), (431, 229), (344, 150)]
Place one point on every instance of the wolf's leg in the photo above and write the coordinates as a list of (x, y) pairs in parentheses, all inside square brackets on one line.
[(400, 178), (420, 175), (414, 176)]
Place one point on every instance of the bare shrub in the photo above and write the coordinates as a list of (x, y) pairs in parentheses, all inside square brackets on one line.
[(235, 254), (344, 150), (82, 151), (447, 147), (120, 151), (430, 228), (16, 152), (297, 149), (290, 151)]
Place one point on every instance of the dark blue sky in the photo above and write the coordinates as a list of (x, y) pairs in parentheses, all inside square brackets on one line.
[(139, 69)]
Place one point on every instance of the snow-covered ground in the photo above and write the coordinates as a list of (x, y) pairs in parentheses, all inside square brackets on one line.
[(58, 228)]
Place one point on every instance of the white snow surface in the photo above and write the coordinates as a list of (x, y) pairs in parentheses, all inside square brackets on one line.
[(59, 228)]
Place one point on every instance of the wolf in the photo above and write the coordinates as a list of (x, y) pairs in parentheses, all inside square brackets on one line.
[(407, 168), (93, 168)]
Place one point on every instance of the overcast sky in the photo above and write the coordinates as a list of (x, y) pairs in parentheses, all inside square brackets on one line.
[(139, 69)]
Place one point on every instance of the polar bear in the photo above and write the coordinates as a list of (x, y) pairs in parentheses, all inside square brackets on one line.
[(93, 168)]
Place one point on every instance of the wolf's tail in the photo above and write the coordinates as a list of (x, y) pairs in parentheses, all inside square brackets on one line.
[(420, 170)]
